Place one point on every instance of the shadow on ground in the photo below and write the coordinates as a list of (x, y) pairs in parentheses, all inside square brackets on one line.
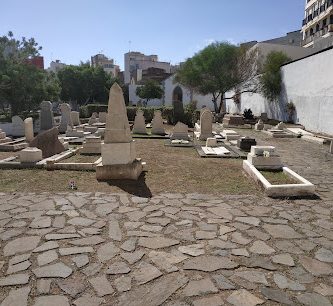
[(138, 188)]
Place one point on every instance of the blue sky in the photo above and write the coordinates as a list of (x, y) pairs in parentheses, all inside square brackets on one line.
[(73, 30)]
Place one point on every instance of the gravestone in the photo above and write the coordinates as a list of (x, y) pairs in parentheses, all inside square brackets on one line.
[(180, 131), (264, 117), (259, 125), (93, 119), (232, 120), (17, 126), (30, 155), (206, 124), (139, 126), (264, 157), (92, 145), (46, 116), (48, 142), (211, 142), (28, 129), (3, 137), (66, 119), (245, 143), (102, 117), (178, 111), (157, 124), (118, 150), (280, 126), (75, 116)]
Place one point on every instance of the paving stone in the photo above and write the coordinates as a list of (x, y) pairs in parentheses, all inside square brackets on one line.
[(79, 221), (324, 255), (22, 266), (16, 279), (54, 270), (17, 297), (47, 257), (93, 240), (239, 238), (136, 215), (258, 234), (146, 273), (21, 245), (288, 246), (286, 283), (301, 275), (209, 263), (253, 276), (205, 235), (256, 261), (166, 261), (72, 286), (281, 231), (88, 300), (129, 245), (59, 222), (315, 267), (200, 287), (123, 283), (10, 234), (114, 230), (81, 260), (75, 250), (260, 247), (218, 243), (107, 251), (155, 293), (211, 301), (283, 259), (118, 268), (276, 295), (222, 282), (240, 252), (51, 300), (192, 249), (92, 269), (43, 286), (226, 229), (313, 299), (133, 257), (151, 228), (157, 242), (61, 236), (249, 220), (243, 297), (324, 289), (41, 222), (184, 235)]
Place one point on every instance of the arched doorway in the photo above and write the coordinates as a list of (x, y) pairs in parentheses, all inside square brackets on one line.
[(177, 94)]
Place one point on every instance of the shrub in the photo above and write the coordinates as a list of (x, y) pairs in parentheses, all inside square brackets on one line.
[(87, 110), (248, 114)]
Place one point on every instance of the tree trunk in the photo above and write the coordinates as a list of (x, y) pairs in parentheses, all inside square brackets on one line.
[(221, 103)]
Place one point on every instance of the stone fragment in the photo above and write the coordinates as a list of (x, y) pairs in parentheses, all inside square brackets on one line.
[(107, 251), (41, 222), (43, 286), (192, 249), (118, 268), (285, 283), (260, 247), (61, 236), (101, 285), (313, 299), (129, 245), (123, 283), (154, 294), (223, 283), (200, 287), (88, 300), (51, 300), (214, 300), (253, 276), (209, 263), (243, 297), (249, 220), (114, 230), (22, 266), (13, 280), (55, 270), (75, 250), (324, 289), (166, 260), (81, 260), (79, 221), (157, 242), (239, 238), (283, 259), (17, 297), (21, 245), (324, 255), (240, 252), (72, 286), (133, 257), (94, 240), (315, 267), (276, 296), (47, 257), (281, 231), (92, 269), (146, 273)]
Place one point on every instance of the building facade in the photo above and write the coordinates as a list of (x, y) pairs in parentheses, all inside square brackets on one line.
[(37, 61), (136, 63), (56, 65), (317, 23), (108, 65)]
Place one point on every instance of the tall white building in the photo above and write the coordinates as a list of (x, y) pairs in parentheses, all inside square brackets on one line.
[(136, 62), (317, 26), (56, 66)]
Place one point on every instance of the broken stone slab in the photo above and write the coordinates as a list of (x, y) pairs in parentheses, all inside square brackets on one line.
[(146, 273), (157, 242), (243, 297), (55, 270), (118, 268), (209, 263), (21, 245), (51, 300), (75, 250), (17, 297), (101, 285), (200, 287), (13, 280)]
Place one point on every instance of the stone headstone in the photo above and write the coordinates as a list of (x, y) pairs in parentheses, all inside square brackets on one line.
[(102, 117), (139, 126), (157, 124), (118, 150), (280, 126), (93, 119), (264, 157), (264, 117), (180, 131), (3, 137), (206, 125), (75, 118), (66, 119), (46, 116), (92, 145), (17, 126), (233, 120), (29, 129), (48, 142), (245, 143), (178, 111), (211, 142), (259, 125), (30, 155)]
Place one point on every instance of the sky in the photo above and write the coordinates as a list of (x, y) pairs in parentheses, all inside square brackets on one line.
[(74, 30)]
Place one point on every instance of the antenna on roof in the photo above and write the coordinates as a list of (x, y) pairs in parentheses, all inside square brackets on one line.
[(129, 45)]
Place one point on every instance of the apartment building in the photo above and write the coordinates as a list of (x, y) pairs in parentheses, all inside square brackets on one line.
[(106, 63)]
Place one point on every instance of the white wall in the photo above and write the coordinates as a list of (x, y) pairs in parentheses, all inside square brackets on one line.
[(308, 83)]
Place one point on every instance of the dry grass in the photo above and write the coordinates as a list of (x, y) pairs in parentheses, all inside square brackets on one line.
[(278, 177), (170, 169)]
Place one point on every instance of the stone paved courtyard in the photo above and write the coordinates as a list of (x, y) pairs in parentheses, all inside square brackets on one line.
[(173, 249)]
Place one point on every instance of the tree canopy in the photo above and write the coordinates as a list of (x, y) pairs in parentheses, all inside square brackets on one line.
[(22, 85), (218, 68), (150, 90), (270, 79)]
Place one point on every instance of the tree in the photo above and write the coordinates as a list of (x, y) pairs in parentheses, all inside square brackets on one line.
[(217, 69), (270, 79), (150, 90), (22, 85)]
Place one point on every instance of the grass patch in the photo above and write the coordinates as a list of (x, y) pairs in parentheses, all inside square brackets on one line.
[(278, 177), (78, 158)]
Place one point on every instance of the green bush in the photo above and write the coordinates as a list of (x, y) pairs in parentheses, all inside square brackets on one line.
[(87, 110)]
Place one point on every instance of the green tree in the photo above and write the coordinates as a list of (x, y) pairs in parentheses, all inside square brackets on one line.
[(217, 69), (22, 85), (150, 90), (270, 79)]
